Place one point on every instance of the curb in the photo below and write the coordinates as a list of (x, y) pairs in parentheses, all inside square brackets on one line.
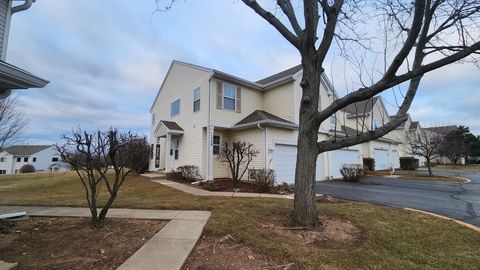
[(470, 226)]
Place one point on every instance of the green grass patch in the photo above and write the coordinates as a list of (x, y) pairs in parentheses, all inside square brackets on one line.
[(394, 238)]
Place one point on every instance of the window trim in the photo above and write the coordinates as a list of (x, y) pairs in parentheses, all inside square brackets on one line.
[(55, 160), (174, 151), (19, 159), (224, 97), (215, 144), (34, 159), (171, 108), (197, 99)]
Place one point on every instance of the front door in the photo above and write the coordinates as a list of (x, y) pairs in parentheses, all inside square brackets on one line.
[(157, 155)]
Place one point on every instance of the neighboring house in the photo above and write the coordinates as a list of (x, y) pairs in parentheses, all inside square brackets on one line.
[(42, 157), (12, 77), (197, 109), (409, 131), (364, 116)]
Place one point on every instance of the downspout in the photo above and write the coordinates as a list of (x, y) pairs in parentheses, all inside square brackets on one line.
[(209, 136), (22, 7), (264, 145)]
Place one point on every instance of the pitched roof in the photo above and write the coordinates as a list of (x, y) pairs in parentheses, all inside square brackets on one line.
[(361, 107), (414, 125), (263, 117), (25, 150), (171, 125), (282, 74), (442, 129)]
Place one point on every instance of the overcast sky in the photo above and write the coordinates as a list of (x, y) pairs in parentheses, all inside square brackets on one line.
[(105, 61)]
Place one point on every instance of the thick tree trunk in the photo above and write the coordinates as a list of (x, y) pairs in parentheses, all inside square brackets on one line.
[(304, 212), (106, 207)]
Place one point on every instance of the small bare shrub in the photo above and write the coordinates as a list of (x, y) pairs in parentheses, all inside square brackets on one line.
[(265, 179), (189, 172), (352, 172)]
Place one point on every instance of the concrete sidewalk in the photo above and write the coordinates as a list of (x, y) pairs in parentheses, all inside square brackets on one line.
[(201, 192), (168, 249)]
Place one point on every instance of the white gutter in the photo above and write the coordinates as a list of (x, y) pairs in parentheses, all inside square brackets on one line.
[(22, 7), (264, 145), (209, 175)]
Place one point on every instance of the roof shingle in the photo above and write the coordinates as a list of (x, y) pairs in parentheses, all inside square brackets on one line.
[(171, 125), (361, 107), (288, 72), (260, 115), (25, 150)]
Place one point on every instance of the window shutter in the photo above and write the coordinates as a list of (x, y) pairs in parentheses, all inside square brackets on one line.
[(219, 95), (238, 106)]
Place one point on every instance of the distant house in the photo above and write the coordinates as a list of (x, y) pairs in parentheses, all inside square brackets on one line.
[(12, 77), (42, 157)]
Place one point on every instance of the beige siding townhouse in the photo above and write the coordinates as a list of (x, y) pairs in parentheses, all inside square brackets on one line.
[(13, 77), (197, 109)]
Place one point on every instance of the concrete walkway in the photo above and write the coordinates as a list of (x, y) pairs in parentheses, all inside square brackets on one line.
[(168, 249), (201, 192)]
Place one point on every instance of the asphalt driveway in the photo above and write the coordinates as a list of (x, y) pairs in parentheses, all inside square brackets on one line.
[(456, 200)]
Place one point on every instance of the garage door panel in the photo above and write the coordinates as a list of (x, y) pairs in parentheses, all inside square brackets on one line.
[(285, 161), (381, 159)]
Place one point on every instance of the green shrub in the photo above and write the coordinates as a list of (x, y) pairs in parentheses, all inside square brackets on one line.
[(27, 168), (409, 163)]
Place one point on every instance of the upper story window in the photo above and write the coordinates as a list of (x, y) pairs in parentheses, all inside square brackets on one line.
[(175, 108), (153, 118), (229, 97), (216, 144), (55, 159), (19, 159), (2, 159), (25, 159), (376, 123), (34, 159), (196, 100)]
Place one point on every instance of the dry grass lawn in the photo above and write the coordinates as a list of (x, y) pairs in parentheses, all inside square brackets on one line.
[(395, 238)]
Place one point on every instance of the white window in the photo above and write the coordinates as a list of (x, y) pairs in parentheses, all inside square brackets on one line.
[(3, 171), (55, 159), (2, 159), (216, 144), (175, 108), (196, 100), (174, 144), (229, 97)]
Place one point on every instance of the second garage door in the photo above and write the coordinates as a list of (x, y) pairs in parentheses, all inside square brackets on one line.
[(342, 157), (285, 160), (381, 159)]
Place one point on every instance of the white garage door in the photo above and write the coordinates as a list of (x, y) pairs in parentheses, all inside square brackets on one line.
[(381, 159), (341, 157), (285, 160), (395, 159)]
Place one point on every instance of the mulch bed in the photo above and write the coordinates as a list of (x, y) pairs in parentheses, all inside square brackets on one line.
[(227, 185), (70, 243), (225, 252)]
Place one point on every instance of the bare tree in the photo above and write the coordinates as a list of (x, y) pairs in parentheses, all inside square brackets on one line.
[(418, 36), (426, 144), (238, 156), (12, 121), (93, 155)]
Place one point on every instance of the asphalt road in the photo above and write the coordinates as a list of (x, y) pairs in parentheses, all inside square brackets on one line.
[(456, 200)]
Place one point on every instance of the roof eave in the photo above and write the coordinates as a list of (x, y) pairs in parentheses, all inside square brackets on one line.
[(266, 122), (17, 78)]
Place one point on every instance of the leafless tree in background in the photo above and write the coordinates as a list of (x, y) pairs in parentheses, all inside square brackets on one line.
[(12, 121), (93, 155), (417, 37), (426, 144)]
